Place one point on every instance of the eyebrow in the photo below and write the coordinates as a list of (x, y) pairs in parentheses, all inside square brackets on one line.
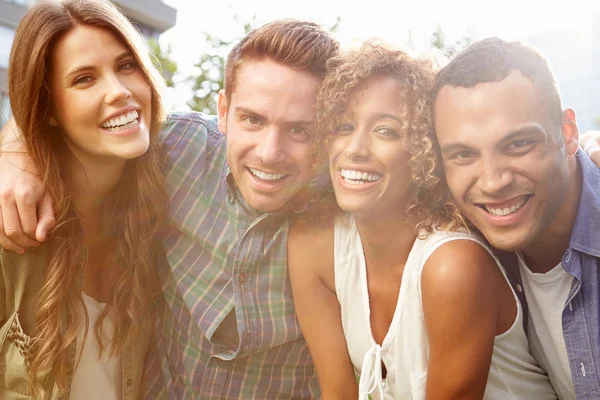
[(82, 68), (530, 129), (390, 116), (246, 110)]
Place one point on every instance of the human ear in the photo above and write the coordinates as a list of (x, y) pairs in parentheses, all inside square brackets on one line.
[(222, 108), (570, 132)]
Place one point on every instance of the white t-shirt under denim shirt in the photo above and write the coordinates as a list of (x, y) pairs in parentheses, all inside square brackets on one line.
[(546, 297)]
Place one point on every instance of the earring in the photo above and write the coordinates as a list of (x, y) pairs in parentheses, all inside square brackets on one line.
[(53, 122)]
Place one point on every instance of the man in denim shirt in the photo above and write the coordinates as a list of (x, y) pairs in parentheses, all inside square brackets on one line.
[(514, 167)]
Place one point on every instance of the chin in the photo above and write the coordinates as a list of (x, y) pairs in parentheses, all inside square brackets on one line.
[(510, 241), (135, 152), (266, 207)]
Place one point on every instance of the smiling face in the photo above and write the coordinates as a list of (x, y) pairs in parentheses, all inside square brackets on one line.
[(100, 98), (267, 122), (368, 162), (506, 164)]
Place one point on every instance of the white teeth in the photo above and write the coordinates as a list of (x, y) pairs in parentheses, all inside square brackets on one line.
[(505, 211), (357, 177), (266, 176), (123, 127), (122, 120)]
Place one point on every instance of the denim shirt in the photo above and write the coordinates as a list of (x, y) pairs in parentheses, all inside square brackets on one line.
[(581, 314)]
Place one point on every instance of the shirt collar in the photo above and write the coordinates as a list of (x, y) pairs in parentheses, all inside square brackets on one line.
[(586, 230)]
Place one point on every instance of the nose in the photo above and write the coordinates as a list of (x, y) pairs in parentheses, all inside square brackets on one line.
[(116, 90), (495, 176), (358, 145), (270, 148)]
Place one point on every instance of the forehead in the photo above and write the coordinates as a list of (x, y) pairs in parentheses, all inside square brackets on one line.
[(271, 88), (487, 111), (380, 93), (86, 45)]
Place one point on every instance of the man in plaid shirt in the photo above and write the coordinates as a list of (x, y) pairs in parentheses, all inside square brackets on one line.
[(228, 329)]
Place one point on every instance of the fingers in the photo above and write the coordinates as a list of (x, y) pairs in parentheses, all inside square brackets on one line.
[(12, 226), (7, 243), (46, 220), (20, 191), (590, 142), (27, 214), (595, 156)]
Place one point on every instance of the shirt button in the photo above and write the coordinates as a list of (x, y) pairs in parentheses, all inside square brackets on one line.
[(519, 288), (129, 382), (242, 278)]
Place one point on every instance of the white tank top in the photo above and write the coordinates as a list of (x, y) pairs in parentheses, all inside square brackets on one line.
[(514, 373), (96, 379)]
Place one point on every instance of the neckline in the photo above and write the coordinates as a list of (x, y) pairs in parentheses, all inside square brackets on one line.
[(389, 336), (90, 301)]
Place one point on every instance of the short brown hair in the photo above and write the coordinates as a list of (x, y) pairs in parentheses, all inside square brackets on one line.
[(297, 44)]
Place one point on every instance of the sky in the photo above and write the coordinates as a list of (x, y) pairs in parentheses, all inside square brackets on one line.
[(390, 21)]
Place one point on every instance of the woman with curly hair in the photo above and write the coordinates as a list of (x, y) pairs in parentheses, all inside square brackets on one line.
[(76, 312), (393, 287)]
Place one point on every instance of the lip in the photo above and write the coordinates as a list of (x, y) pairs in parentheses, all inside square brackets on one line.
[(505, 220), (122, 111), (355, 188), (265, 186), (355, 168), (125, 132)]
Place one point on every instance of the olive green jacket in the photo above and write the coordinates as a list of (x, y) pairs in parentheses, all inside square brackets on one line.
[(21, 279)]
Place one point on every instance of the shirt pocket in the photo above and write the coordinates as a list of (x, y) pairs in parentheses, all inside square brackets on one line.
[(418, 383), (14, 350)]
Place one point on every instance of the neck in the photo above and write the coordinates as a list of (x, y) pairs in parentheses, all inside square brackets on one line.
[(92, 184), (548, 248), (386, 239)]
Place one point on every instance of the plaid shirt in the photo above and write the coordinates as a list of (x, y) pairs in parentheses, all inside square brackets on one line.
[(223, 256)]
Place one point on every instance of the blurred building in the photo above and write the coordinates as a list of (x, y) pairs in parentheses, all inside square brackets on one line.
[(574, 56), (152, 17)]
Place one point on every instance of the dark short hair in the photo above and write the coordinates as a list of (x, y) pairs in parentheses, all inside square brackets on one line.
[(492, 60)]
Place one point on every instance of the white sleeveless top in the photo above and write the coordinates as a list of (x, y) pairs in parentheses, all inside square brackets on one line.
[(514, 373), (96, 379)]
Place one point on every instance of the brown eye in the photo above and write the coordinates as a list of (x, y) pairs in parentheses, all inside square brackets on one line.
[(82, 80)]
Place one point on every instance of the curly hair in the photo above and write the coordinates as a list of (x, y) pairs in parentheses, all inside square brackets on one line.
[(347, 73)]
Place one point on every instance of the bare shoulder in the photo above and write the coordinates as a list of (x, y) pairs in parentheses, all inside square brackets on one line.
[(460, 265), (311, 249)]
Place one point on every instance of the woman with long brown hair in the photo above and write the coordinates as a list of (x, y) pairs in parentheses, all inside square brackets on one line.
[(75, 313), (394, 289)]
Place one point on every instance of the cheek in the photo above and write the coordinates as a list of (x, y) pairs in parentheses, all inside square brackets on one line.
[(334, 147), (455, 179), (302, 155), (141, 90), (77, 113), (238, 144)]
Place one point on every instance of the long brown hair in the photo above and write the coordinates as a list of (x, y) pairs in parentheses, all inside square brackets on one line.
[(135, 212)]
